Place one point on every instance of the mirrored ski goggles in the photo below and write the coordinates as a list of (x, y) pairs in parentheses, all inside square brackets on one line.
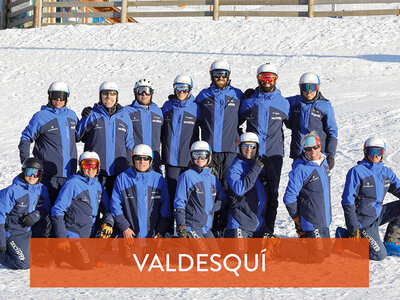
[(32, 172), (312, 148), (86, 164), (109, 93), (220, 73), (374, 151), (184, 88), (200, 155), (63, 96), (305, 87), (140, 158), (143, 90), (247, 146), (267, 77)]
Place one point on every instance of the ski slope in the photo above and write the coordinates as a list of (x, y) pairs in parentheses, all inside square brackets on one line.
[(357, 59)]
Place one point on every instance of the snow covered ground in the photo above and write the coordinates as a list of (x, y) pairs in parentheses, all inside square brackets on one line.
[(358, 60)]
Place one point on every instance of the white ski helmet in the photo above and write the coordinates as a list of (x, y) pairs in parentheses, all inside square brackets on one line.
[(108, 86), (267, 68), (144, 82), (184, 79), (89, 155), (143, 150), (201, 146), (309, 78), (58, 86), (374, 142), (220, 65), (249, 137)]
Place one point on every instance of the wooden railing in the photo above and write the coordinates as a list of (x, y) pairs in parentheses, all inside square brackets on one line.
[(44, 12)]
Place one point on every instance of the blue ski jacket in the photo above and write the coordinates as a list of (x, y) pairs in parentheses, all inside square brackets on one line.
[(247, 195), (75, 210), (366, 186), (180, 130), (147, 123), (308, 193), (19, 200), (220, 115), (140, 201), (199, 194), (110, 137), (265, 114), (53, 131), (306, 116)]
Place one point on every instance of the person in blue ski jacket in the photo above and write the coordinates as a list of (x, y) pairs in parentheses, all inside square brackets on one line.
[(76, 208), (140, 203), (22, 204), (147, 119), (179, 131), (366, 186), (265, 110), (199, 195), (307, 195), (52, 129), (310, 111), (247, 191), (107, 130)]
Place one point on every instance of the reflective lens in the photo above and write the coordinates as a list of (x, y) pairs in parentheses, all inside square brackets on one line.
[(251, 146), (200, 155), (311, 148), (139, 158), (32, 172), (220, 73), (184, 88), (375, 151), (305, 87), (143, 90), (109, 93), (86, 164), (63, 96), (267, 77)]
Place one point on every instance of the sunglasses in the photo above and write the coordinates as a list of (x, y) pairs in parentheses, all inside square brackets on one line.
[(109, 93), (140, 158), (218, 74), (267, 77), (374, 151), (63, 96), (200, 155), (144, 90), (184, 88), (305, 87), (32, 172), (246, 146), (311, 148), (86, 164)]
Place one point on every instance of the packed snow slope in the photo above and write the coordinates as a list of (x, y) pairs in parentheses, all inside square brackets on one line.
[(357, 59)]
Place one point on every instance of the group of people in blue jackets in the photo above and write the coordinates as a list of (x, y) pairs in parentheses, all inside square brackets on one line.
[(222, 153)]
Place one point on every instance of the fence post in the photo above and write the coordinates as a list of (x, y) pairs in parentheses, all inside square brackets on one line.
[(311, 8), (216, 10), (37, 14), (124, 11), (3, 20)]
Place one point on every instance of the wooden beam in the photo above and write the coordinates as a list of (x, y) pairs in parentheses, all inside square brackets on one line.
[(20, 11), (16, 3), (353, 13), (82, 4), (82, 15), (170, 14), (20, 21)]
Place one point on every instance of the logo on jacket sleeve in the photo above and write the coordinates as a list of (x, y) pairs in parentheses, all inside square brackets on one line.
[(52, 128)]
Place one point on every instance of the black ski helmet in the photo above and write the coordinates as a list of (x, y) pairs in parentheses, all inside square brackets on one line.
[(33, 162)]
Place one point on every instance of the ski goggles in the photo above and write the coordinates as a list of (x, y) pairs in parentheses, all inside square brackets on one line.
[(248, 146), (267, 77), (305, 87), (184, 88), (312, 148), (109, 93), (200, 155), (144, 90), (86, 164), (220, 73), (374, 151), (63, 96), (32, 172), (140, 158)]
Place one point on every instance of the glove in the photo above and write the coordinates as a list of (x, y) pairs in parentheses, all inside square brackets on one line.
[(355, 235), (247, 94), (265, 160), (28, 221), (331, 162), (182, 232), (297, 225), (86, 112), (105, 231), (258, 162), (64, 246)]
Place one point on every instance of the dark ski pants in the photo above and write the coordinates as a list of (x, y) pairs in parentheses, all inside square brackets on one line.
[(17, 255)]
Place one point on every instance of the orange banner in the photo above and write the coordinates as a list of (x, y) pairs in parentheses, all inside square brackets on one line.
[(285, 262)]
